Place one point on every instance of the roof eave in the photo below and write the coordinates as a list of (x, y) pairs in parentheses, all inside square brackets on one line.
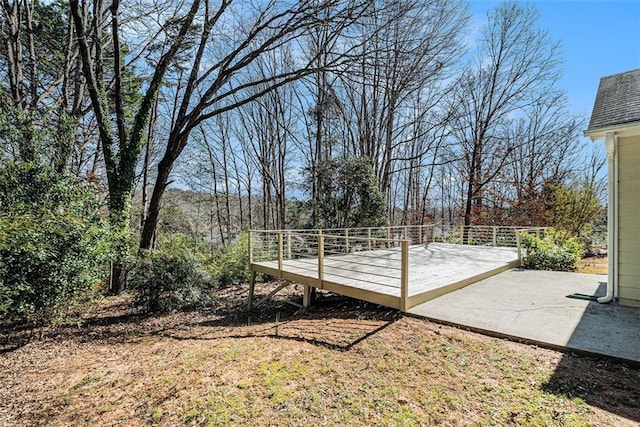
[(624, 129)]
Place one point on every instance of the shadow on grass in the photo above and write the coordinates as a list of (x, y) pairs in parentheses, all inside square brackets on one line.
[(338, 339), (334, 322), (84, 330), (608, 385)]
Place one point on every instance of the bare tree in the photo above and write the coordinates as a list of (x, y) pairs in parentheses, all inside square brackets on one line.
[(269, 124), (515, 66), (42, 100), (218, 82), (545, 153), (392, 95)]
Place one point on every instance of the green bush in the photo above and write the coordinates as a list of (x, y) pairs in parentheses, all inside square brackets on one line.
[(52, 242), (231, 263), (558, 250), (163, 282), (181, 243)]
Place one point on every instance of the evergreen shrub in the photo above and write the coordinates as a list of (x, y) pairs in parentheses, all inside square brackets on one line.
[(557, 250)]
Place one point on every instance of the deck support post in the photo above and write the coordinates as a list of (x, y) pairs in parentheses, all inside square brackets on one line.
[(404, 275), (280, 255), (495, 236), (306, 297), (369, 237), (289, 244), (320, 259), (519, 246), (252, 287)]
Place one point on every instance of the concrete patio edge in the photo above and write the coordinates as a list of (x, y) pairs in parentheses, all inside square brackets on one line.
[(527, 341), (533, 307)]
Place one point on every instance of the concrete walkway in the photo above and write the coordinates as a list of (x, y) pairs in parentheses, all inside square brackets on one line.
[(532, 306)]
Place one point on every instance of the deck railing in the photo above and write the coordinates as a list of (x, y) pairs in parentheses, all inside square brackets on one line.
[(317, 246), (271, 245)]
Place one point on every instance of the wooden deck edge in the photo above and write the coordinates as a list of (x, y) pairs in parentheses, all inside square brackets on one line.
[(274, 272), (377, 297), (363, 294), (418, 299), (342, 289), (281, 274)]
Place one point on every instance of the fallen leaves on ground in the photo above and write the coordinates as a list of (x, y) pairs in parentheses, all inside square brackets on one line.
[(343, 362)]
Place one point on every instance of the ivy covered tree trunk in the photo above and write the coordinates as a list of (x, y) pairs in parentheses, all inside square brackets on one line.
[(122, 130), (119, 211)]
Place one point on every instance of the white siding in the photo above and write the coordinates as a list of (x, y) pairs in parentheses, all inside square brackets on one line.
[(629, 220)]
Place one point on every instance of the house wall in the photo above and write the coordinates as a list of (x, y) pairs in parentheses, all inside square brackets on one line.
[(629, 221)]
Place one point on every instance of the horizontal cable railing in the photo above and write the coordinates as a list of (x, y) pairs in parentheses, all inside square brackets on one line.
[(267, 245)]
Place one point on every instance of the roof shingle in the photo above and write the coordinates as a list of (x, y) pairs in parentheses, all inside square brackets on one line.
[(617, 101)]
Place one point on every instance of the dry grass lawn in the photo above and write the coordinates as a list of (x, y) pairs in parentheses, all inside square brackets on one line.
[(592, 265), (343, 363)]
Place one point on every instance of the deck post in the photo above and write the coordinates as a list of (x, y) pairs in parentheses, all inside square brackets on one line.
[(288, 244), (495, 236), (519, 246), (320, 258), (252, 286), (346, 240), (404, 275), (404, 232), (280, 256), (369, 237), (306, 297)]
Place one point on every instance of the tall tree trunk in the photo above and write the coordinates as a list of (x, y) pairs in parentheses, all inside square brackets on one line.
[(471, 191), (162, 180), (147, 163)]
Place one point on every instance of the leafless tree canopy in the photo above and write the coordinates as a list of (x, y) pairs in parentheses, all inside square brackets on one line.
[(244, 101)]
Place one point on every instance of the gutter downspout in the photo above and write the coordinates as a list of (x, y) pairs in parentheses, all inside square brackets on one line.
[(612, 216)]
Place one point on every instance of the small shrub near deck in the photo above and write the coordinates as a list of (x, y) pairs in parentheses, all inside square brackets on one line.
[(163, 282), (558, 250)]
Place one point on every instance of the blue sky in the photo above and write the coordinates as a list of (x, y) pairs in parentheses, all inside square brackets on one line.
[(599, 38)]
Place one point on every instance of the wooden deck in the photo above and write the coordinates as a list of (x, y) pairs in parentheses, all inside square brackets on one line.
[(375, 276)]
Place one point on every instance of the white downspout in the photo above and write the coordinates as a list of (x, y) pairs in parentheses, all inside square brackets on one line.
[(616, 214), (612, 216)]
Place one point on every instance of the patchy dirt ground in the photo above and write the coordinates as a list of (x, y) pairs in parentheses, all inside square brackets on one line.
[(343, 362), (592, 265)]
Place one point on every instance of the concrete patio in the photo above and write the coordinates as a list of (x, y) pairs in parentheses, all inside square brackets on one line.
[(532, 306)]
